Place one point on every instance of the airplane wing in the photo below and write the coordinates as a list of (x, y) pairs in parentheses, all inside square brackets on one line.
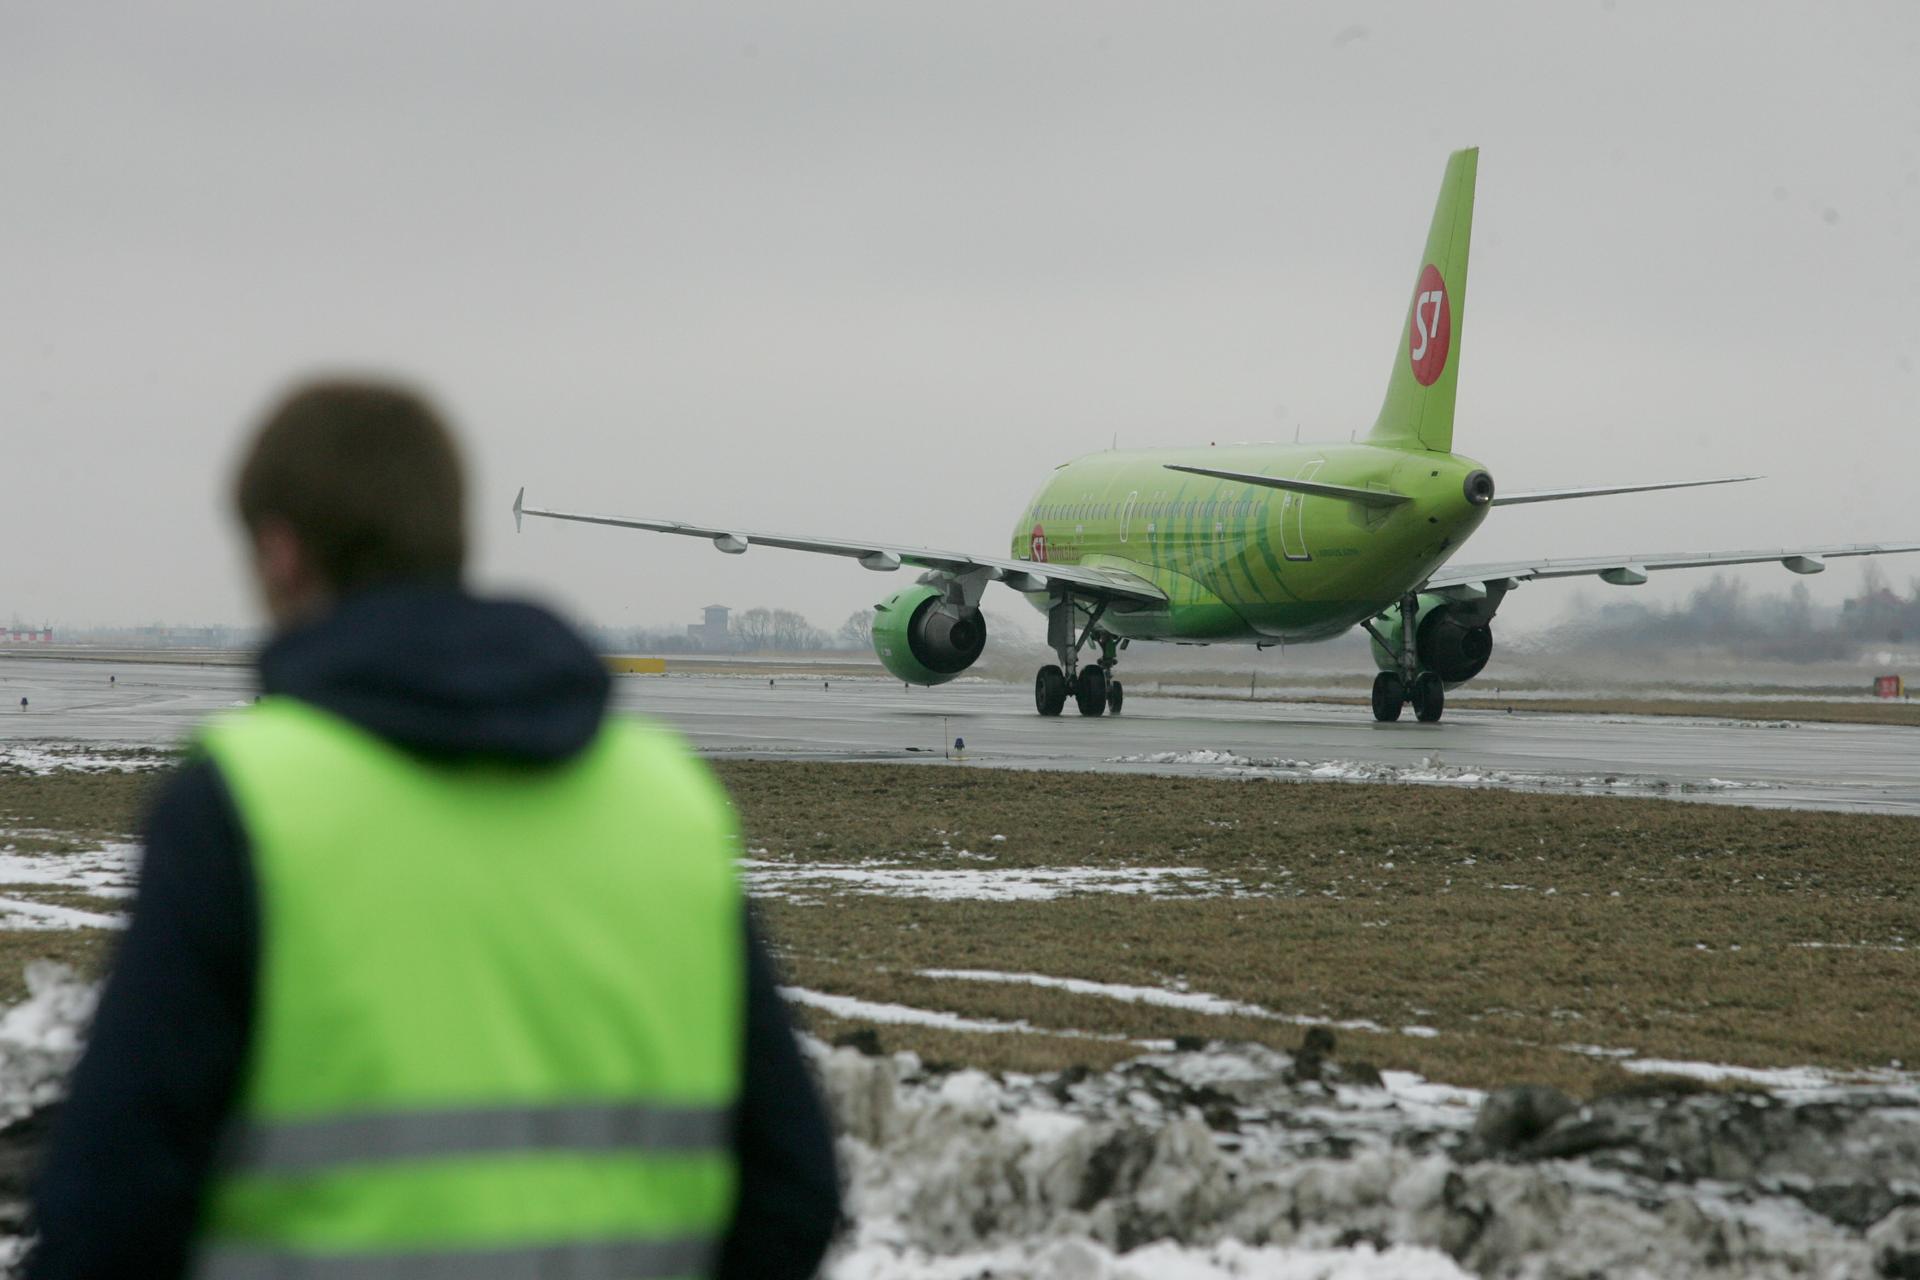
[(1631, 570), (1113, 585)]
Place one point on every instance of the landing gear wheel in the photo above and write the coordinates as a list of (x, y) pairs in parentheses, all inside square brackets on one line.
[(1389, 695), (1049, 691), (1114, 697), (1091, 691), (1429, 697)]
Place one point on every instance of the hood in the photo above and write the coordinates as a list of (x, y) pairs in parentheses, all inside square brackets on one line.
[(442, 673)]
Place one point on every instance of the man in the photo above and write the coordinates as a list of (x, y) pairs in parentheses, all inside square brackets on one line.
[(436, 969)]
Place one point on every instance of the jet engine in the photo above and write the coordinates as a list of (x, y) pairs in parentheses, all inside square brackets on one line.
[(1453, 640), (924, 638)]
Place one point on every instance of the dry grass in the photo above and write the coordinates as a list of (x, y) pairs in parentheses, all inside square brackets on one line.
[(62, 812), (1514, 924)]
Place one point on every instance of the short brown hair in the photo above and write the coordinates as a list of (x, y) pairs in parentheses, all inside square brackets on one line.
[(367, 476)]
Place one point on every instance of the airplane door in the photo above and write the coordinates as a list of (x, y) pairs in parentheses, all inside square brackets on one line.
[(1293, 517), (1126, 513)]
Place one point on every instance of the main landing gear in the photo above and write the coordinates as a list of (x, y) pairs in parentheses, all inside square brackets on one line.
[(1392, 690), (1095, 691), (1428, 696)]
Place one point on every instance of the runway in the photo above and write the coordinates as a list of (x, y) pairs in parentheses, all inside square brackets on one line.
[(1847, 767)]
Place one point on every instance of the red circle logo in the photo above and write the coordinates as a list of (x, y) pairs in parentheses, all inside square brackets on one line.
[(1430, 332), (1037, 546)]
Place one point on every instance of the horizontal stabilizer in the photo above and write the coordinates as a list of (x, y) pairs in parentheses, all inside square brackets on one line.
[(1365, 497), (1601, 491)]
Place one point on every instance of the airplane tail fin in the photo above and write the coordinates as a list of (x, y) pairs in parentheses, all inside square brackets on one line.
[(1418, 412)]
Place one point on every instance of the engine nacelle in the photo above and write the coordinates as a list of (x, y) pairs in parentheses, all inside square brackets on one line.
[(924, 639), (1451, 639)]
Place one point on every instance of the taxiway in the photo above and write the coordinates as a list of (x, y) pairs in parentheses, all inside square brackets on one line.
[(1827, 766)]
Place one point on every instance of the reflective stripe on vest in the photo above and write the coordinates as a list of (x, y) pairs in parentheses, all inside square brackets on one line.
[(599, 1260), (499, 1022), (290, 1147)]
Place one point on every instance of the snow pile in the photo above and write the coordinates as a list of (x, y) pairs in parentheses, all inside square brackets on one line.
[(1242, 1161), (1201, 756), (41, 1038), (1237, 1162), (42, 758), (1070, 1259)]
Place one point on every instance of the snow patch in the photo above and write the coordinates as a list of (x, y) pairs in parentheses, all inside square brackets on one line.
[(1195, 1001), (104, 873), (1432, 770), (1007, 884), (1785, 1080), (19, 914), (904, 1014), (42, 758), (1192, 1001), (108, 872)]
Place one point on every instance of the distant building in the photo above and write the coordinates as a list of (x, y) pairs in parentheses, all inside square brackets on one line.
[(713, 633), (19, 635)]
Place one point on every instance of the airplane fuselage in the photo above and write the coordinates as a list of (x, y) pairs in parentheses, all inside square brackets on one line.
[(1246, 564)]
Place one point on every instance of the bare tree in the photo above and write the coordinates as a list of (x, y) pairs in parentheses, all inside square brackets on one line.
[(857, 631), (754, 630), (791, 632)]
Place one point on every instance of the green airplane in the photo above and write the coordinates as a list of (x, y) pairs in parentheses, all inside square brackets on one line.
[(1257, 544)]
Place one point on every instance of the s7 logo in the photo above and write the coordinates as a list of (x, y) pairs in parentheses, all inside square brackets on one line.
[(1422, 327)]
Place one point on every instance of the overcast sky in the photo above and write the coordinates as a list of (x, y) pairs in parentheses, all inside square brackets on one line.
[(871, 269)]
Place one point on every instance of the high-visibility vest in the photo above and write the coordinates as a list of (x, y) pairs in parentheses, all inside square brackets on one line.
[(499, 1017)]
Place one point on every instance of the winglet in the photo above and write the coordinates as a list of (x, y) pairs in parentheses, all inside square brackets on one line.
[(518, 499)]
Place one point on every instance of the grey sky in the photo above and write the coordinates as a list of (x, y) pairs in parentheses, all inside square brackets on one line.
[(873, 268)]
